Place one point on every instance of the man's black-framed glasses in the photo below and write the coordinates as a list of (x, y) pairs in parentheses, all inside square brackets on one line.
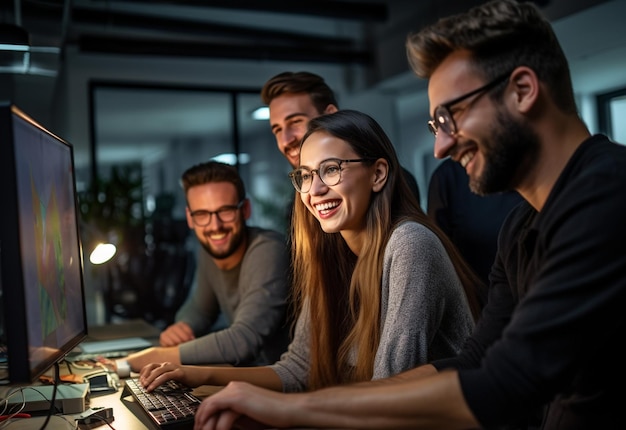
[(202, 218), (443, 118), (329, 172)]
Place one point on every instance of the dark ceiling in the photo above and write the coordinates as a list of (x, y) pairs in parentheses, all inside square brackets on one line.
[(338, 32)]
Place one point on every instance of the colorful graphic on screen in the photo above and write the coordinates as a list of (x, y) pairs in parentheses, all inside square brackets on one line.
[(47, 232), (48, 241)]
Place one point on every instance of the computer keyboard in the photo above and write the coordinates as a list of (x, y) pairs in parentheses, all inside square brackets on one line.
[(170, 406)]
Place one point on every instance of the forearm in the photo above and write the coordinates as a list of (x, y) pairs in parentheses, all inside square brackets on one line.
[(428, 402), (410, 375), (139, 359), (261, 376)]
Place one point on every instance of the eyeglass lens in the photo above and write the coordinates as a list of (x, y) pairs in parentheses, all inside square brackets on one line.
[(329, 173), (443, 117), (202, 218)]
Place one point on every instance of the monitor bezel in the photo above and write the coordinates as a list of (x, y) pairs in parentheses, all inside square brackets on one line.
[(11, 272)]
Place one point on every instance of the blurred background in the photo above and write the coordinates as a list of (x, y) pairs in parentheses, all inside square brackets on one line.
[(144, 89)]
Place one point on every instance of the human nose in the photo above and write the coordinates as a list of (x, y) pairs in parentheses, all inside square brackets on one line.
[(214, 218), (317, 185), (444, 143), (289, 136)]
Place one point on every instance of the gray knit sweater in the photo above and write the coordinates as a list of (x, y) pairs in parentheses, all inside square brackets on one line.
[(424, 311), (253, 298)]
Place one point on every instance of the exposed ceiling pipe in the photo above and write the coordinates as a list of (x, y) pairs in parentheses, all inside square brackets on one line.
[(18, 13), (65, 23)]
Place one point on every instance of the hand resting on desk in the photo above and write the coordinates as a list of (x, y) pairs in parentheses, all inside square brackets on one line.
[(176, 334)]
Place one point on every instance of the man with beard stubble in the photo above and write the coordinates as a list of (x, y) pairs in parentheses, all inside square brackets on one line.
[(241, 273), (502, 105)]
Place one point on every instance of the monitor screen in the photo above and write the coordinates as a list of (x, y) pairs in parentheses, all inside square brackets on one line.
[(41, 277)]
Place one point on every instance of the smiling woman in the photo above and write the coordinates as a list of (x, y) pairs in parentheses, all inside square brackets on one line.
[(373, 277), (358, 218)]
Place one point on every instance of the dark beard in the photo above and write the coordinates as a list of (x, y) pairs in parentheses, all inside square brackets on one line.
[(508, 155), (236, 241)]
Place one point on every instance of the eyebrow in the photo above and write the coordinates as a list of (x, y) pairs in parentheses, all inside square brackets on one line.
[(323, 161)]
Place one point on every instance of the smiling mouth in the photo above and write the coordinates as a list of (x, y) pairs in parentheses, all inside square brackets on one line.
[(293, 152), (217, 235), (326, 207), (466, 158)]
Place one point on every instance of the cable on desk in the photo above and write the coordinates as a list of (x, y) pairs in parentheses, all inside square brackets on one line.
[(11, 413), (54, 396)]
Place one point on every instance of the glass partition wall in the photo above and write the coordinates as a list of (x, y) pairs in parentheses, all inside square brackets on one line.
[(611, 114), (142, 139)]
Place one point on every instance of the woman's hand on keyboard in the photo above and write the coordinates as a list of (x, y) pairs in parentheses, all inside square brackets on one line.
[(155, 374)]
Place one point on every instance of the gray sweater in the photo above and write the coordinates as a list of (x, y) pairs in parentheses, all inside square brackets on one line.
[(252, 296), (424, 312)]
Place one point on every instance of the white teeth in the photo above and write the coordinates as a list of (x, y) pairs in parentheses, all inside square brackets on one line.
[(217, 236), (326, 206), (466, 158)]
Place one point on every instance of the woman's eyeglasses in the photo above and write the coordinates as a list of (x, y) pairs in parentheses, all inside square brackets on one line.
[(329, 173)]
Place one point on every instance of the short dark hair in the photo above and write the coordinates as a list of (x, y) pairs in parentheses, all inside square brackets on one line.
[(300, 83), (213, 171), (500, 35)]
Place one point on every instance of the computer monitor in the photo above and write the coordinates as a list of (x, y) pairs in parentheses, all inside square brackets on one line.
[(41, 272)]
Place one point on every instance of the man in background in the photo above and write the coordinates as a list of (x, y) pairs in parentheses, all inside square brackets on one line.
[(242, 273), (294, 98)]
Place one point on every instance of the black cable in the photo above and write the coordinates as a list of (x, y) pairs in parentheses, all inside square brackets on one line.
[(57, 378)]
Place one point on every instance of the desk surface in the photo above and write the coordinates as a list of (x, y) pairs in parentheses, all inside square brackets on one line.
[(131, 328), (127, 414)]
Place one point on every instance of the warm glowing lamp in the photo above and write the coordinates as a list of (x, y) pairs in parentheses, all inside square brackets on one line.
[(102, 253)]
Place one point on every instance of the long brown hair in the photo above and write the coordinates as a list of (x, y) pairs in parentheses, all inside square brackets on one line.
[(343, 291)]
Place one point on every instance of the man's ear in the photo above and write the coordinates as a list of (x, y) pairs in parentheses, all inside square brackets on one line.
[(331, 108), (526, 88), (189, 219), (246, 209), (381, 173)]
